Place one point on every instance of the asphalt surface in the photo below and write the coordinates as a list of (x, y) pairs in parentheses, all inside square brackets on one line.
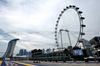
[(63, 64), (30, 63)]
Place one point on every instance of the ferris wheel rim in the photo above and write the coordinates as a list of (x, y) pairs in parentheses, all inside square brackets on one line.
[(80, 21)]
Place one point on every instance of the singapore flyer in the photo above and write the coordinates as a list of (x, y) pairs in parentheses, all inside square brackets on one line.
[(69, 27)]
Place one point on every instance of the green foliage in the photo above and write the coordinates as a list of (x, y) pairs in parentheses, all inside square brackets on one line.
[(66, 51), (36, 52)]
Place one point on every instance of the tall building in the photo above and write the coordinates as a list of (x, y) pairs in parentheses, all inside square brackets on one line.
[(43, 50), (22, 52), (29, 54), (10, 48), (48, 50), (25, 52), (53, 50)]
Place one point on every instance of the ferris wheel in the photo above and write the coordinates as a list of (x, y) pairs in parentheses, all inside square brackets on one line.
[(69, 27)]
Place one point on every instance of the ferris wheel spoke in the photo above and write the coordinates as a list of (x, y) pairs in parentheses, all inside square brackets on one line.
[(73, 35)]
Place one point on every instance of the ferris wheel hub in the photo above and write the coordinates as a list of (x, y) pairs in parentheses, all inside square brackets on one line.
[(64, 30)]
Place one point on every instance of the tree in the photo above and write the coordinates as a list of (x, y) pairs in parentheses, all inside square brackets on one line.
[(66, 51), (36, 52)]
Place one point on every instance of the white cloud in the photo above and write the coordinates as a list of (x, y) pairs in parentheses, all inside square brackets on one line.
[(4, 41), (1, 37), (21, 15)]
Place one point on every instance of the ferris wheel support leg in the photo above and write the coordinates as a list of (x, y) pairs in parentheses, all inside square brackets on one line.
[(61, 40), (69, 39)]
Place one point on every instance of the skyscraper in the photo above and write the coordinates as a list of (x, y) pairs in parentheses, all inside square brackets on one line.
[(10, 48), (22, 52)]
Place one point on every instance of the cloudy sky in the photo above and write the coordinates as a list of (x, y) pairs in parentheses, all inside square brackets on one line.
[(33, 21)]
